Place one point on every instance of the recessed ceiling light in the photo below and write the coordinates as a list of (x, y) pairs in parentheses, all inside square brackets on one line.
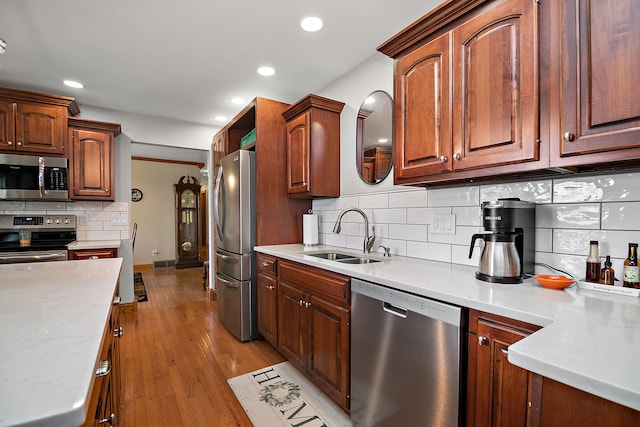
[(220, 118), (266, 71), (73, 84), (237, 100), (311, 24)]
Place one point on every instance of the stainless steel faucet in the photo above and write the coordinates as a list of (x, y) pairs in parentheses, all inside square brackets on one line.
[(368, 239)]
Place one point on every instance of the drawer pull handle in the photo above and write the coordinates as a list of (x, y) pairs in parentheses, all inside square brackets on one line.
[(118, 332), (104, 367), (265, 263), (483, 340), (569, 137), (109, 420)]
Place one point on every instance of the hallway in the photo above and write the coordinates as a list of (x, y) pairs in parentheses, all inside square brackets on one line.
[(176, 357)]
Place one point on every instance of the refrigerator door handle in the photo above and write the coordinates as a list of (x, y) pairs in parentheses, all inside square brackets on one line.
[(228, 283), (216, 197)]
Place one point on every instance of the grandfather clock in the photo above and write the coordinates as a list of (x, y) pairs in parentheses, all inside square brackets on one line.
[(188, 210)]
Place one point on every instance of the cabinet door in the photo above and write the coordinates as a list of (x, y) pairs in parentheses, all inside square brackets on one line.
[(219, 147), (598, 94), (422, 143), (329, 349), (40, 128), (268, 308), (93, 164), (495, 108), (497, 390), (298, 154), (292, 325), (7, 125)]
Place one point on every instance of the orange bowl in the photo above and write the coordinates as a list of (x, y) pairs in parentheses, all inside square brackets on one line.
[(552, 281)]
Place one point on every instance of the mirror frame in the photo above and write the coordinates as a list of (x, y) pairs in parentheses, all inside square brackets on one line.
[(383, 152)]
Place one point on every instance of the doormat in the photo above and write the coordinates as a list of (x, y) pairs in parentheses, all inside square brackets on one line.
[(280, 395), (138, 287)]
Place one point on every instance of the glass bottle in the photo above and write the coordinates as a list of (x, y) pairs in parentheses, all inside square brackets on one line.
[(593, 263), (607, 275), (631, 272)]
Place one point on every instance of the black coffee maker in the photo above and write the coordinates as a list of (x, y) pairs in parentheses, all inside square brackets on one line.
[(508, 255)]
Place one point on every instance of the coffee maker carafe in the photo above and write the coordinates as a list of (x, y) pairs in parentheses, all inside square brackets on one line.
[(509, 241)]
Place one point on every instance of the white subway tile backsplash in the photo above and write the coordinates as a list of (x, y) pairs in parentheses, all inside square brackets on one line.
[(460, 255), (389, 216), (461, 237), (544, 239), (10, 206), (409, 232), (408, 199), (432, 251), (585, 216), (605, 188), (52, 207), (468, 215), (621, 216), (425, 215), (373, 201), (536, 191), (346, 202), (324, 204), (611, 242), (459, 196)]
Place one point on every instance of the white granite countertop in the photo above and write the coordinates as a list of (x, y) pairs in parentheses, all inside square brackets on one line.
[(590, 340), (93, 244), (53, 316)]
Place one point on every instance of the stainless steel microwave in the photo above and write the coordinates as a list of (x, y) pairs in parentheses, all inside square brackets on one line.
[(24, 177)]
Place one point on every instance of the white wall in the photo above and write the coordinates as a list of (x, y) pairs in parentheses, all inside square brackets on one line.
[(571, 210)]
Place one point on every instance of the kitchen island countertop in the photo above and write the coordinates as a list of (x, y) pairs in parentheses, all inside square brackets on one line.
[(54, 315), (589, 340)]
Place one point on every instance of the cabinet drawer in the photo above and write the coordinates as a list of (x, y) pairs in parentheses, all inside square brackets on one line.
[(267, 264), (316, 281)]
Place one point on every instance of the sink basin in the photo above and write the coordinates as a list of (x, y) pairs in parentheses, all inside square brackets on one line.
[(358, 260), (331, 255)]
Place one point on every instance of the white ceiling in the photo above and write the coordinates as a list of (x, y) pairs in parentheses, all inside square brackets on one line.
[(184, 59)]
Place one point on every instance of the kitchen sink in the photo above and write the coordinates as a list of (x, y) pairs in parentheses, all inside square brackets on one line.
[(358, 260), (333, 256), (345, 258)]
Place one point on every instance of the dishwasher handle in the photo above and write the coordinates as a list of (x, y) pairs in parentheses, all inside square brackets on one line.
[(396, 311)]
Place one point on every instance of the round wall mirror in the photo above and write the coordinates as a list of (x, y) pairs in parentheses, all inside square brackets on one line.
[(374, 137)]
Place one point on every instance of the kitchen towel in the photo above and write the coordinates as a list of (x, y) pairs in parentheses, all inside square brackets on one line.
[(310, 229)]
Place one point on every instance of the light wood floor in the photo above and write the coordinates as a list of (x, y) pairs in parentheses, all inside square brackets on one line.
[(176, 357)]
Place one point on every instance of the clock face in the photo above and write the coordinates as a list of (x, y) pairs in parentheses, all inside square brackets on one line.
[(188, 199), (136, 195)]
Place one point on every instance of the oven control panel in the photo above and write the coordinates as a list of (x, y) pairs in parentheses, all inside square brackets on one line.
[(37, 221)]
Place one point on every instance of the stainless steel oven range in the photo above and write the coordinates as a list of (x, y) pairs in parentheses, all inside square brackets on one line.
[(35, 238)]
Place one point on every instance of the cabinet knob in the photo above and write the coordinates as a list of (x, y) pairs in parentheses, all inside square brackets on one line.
[(569, 137), (94, 257), (270, 287), (104, 367), (19, 143), (117, 300), (265, 263), (483, 340), (118, 332), (456, 156), (9, 143), (443, 159), (108, 420), (106, 190), (307, 304), (300, 302)]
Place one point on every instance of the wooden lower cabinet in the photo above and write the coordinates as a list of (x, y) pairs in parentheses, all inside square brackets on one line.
[(93, 253), (267, 298), (497, 391), (314, 326), (559, 405), (104, 406)]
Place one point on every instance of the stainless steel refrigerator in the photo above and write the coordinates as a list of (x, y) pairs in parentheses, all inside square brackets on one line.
[(234, 216)]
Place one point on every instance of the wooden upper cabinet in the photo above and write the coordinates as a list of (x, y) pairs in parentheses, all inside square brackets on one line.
[(92, 160), (34, 123), (422, 142), (599, 59), (313, 147), (466, 91), (219, 147), (495, 108)]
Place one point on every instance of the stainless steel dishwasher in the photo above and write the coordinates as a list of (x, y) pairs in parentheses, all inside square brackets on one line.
[(405, 359)]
